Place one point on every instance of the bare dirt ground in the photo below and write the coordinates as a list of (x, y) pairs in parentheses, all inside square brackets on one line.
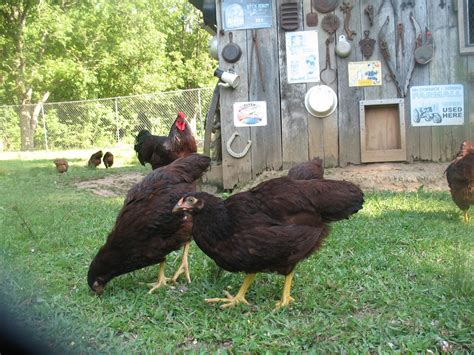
[(370, 177)]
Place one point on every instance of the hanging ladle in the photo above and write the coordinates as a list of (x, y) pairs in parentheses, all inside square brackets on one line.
[(330, 24)]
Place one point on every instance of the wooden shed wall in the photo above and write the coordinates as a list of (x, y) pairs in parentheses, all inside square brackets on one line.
[(292, 135)]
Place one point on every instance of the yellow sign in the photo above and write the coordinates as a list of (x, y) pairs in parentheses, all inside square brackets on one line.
[(365, 73)]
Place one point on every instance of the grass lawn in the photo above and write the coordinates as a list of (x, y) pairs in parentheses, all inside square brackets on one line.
[(398, 277)]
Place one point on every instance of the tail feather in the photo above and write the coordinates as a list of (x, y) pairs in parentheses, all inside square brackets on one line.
[(186, 169), (340, 200), (140, 138)]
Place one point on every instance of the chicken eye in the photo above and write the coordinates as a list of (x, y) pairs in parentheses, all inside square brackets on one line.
[(192, 200)]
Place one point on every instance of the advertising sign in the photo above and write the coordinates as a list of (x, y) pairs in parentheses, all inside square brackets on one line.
[(246, 14), (365, 73), (250, 114), (302, 56), (437, 105)]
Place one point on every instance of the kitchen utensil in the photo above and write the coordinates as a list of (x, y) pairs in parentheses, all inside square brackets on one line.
[(325, 6), (343, 47), (231, 51), (312, 17), (289, 16)]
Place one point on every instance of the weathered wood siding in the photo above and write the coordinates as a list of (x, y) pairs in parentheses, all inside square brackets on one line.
[(292, 135)]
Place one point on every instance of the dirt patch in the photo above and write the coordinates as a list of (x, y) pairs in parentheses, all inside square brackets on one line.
[(380, 177), (370, 177), (114, 185)]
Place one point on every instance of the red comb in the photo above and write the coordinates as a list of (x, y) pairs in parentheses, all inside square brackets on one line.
[(181, 114)]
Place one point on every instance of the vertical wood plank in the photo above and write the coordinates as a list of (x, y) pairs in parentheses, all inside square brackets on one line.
[(293, 113), (316, 144), (442, 68), (266, 152), (234, 170), (349, 97), (469, 100), (418, 138)]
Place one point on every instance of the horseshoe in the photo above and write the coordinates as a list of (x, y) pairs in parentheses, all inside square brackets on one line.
[(234, 154)]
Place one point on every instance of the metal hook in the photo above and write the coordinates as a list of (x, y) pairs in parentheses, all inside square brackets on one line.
[(234, 154)]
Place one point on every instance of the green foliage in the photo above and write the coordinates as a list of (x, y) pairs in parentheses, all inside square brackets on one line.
[(10, 131), (100, 48), (396, 278)]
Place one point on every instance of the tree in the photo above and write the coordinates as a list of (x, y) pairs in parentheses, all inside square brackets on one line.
[(72, 49)]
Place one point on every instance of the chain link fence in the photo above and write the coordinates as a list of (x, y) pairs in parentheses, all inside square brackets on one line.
[(105, 122)]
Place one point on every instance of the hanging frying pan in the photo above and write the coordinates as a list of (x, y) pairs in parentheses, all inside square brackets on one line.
[(325, 6), (231, 51)]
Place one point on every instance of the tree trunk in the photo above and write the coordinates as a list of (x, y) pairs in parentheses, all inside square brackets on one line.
[(27, 133), (29, 120)]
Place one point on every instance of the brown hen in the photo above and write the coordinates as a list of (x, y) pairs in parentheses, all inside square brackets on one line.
[(61, 165), (460, 176), (95, 159), (108, 159), (146, 231), (269, 228)]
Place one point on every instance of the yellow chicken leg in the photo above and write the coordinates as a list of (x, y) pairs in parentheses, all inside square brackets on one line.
[(161, 279), (286, 298), (467, 218), (183, 267), (231, 301)]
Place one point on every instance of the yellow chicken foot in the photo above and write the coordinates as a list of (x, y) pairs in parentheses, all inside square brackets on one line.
[(467, 218), (286, 298), (183, 267), (161, 279), (231, 301)]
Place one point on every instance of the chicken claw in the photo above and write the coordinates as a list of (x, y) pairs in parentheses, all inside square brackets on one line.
[(286, 298), (162, 279), (231, 301), (183, 267), (284, 302)]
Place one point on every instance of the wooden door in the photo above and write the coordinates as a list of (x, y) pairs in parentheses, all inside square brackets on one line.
[(382, 130)]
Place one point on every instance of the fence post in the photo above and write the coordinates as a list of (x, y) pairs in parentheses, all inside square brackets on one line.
[(44, 127), (117, 120), (200, 108)]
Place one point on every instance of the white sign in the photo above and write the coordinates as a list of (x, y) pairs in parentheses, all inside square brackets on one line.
[(250, 114), (437, 105), (302, 57)]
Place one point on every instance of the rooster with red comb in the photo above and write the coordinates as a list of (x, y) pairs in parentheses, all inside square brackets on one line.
[(160, 150)]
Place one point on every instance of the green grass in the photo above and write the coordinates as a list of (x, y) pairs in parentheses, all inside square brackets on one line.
[(396, 278)]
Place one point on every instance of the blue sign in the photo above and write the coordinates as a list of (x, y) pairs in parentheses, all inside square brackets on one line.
[(246, 14)]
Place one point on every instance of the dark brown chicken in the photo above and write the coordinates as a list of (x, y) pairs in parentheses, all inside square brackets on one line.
[(61, 165), (312, 169), (269, 228), (460, 176), (108, 159), (146, 230), (95, 159), (159, 150)]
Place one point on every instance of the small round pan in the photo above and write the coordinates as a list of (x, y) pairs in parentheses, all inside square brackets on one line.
[(325, 6), (231, 51)]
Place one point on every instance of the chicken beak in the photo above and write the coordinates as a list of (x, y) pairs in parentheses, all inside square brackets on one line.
[(180, 206), (98, 288)]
